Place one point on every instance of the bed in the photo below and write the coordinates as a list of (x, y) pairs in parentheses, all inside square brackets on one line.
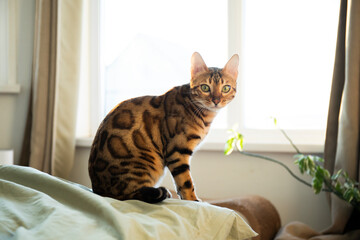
[(35, 205)]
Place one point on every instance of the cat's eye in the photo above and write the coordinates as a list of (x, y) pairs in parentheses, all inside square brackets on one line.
[(226, 89), (205, 88)]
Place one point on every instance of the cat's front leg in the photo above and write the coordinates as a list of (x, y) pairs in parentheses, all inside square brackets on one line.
[(180, 171)]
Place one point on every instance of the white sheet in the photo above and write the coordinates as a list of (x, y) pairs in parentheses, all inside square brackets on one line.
[(35, 205)]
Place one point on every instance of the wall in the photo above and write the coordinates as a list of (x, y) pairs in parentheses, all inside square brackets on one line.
[(218, 176), (14, 106)]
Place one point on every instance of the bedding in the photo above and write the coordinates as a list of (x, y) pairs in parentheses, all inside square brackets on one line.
[(35, 205)]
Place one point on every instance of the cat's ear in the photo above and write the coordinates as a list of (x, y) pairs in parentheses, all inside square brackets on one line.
[(197, 65), (231, 67)]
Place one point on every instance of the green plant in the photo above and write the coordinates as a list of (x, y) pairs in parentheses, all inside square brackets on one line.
[(339, 183)]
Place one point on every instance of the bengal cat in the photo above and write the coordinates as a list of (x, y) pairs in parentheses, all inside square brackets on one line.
[(142, 136)]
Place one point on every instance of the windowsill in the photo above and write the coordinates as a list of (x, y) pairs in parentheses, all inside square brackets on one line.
[(208, 145), (10, 89)]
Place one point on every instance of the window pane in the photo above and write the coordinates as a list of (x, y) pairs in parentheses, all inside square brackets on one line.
[(147, 45), (288, 55)]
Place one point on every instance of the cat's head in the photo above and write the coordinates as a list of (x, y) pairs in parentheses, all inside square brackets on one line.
[(213, 88)]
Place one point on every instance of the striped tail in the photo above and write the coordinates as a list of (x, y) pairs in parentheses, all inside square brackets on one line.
[(151, 195)]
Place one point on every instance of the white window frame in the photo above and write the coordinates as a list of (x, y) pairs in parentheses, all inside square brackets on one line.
[(261, 140), (8, 47), (264, 140)]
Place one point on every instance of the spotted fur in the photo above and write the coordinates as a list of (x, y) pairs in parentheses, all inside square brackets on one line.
[(142, 136)]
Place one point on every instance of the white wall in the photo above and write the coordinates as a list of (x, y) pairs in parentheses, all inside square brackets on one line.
[(217, 176), (13, 108)]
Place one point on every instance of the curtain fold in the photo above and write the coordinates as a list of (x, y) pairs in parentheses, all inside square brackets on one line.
[(342, 145), (49, 141), (68, 78)]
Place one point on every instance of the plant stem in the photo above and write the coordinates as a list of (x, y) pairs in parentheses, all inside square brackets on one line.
[(278, 162), (290, 141)]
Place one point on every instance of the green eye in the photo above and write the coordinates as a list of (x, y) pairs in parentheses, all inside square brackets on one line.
[(205, 88), (226, 89)]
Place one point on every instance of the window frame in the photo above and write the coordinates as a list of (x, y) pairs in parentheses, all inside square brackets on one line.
[(8, 45), (260, 140)]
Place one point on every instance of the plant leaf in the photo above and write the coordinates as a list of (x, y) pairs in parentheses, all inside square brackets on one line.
[(275, 121), (301, 162), (337, 175), (339, 188), (319, 172), (317, 184), (229, 146), (348, 195), (240, 144), (356, 194), (326, 173)]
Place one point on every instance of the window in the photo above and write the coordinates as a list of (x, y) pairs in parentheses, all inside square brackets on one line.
[(288, 61), (152, 54), (286, 53), (8, 41)]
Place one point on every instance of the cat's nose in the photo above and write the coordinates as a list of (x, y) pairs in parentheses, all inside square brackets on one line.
[(216, 101)]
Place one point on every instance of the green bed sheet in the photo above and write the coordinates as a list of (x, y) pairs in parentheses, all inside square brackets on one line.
[(35, 205)]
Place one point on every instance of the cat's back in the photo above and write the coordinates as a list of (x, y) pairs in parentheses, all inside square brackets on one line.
[(129, 113)]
